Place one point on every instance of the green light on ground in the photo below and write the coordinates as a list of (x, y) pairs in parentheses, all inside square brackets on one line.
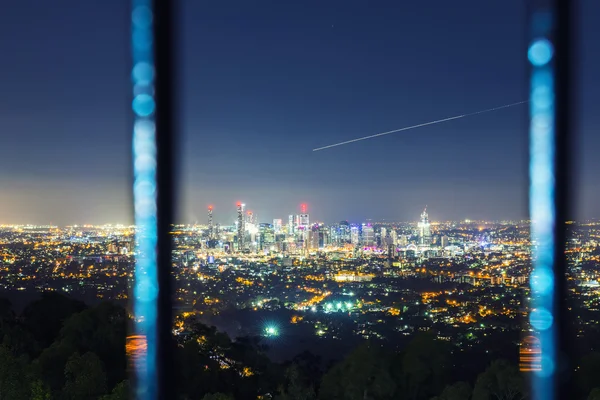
[(271, 331)]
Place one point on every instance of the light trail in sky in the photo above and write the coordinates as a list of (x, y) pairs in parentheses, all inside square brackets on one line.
[(419, 125)]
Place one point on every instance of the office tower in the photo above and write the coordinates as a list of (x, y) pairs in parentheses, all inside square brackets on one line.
[(291, 226), (303, 220), (344, 232), (444, 241), (394, 237), (354, 235), (277, 225), (266, 236), (240, 226), (210, 223), (403, 240), (368, 235), (383, 234), (313, 241), (424, 229)]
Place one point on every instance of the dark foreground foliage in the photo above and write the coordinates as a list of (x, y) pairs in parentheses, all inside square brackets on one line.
[(60, 349)]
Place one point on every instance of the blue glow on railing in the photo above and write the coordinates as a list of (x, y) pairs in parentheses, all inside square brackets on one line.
[(542, 199), (144, 195)]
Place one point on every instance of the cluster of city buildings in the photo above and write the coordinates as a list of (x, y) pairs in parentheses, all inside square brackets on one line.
[(297, 235), (466, 280)]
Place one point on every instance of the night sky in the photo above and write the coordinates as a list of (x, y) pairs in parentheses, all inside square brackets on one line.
[(261, 86)]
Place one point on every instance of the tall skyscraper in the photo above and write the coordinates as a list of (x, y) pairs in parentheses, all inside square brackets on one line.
[(240, 226), (403, 241), (277, 225), (266, 236), (313, 241), (304, 220), (424, 229), (368, 235), (354, 237), (210, 223), (444, 241), (394, 236)]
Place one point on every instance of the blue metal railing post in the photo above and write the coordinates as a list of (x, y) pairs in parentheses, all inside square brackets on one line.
[(549, 170), (153, 191)]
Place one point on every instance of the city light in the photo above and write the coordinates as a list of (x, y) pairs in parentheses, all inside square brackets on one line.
[(271, 331)]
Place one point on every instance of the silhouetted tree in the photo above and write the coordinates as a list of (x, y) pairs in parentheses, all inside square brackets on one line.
[(309, 366), (44, 318), (85, 377), (13, 378), (294, 388), (120, 392), (425, 366), (456, 391), (500, 381), (101, 330), (50, 365), (594, 394), (40, 391), (363, 374), (588, 374), (217, 396)]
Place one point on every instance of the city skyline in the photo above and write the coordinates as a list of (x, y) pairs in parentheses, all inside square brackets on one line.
[(261, 88), (230, 217)]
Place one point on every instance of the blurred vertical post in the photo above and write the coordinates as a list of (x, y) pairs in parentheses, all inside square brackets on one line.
[(153, 138), (549, 170), (164, 49)]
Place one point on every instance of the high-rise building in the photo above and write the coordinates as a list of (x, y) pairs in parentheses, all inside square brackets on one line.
[(394, 236), (368, 235), (313, 242), (344, 233), (403, 240), (444, 241), (383, 234), (277, 225), (354, 235), (266, 236), (240, 226), (291, 225), (210, 223), (424, 229), (303, 219)]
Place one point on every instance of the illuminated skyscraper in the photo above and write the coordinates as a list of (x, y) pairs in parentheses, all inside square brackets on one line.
[(304, 221), (240, 225), (344, 233), (424, 229), (313, 241), (266, 236), (354, 235), (368, 235), (249, 217), (444, 241), (210, 223), (394, 236), (277, 225)]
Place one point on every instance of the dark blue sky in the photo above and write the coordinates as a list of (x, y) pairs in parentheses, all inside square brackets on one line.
[(264, 82)]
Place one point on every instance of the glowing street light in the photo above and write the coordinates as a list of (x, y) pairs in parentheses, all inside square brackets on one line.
[(271, 331)]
